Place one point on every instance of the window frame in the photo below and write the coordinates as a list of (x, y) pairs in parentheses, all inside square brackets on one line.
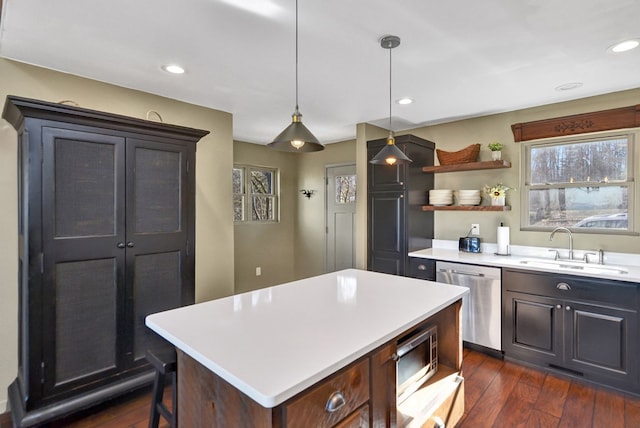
[(629, 182), (247, 195)]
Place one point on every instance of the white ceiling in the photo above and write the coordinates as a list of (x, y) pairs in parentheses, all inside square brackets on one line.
[(457, 59)]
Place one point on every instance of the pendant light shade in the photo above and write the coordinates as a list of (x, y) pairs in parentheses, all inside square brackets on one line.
[(296, 137), (390, 154)]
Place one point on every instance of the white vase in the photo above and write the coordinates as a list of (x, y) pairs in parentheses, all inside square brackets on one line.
[(496, 155), (499, 201)]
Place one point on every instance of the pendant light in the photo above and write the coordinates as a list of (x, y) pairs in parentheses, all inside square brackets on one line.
[(390, 154), (296, 137)]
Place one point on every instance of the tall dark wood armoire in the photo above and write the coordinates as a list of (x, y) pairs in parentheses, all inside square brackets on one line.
[(396, 223), (106, 237)]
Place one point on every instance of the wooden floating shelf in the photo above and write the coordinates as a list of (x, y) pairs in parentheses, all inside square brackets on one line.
[(465, 208), (471, 166)]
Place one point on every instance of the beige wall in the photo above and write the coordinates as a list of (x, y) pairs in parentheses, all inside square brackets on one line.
[(269, 246), (293, 248), (214, 244), (456, 135)]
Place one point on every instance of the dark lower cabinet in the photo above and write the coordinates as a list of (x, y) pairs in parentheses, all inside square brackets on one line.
[(581, 326), (106, 237), (396, 224)]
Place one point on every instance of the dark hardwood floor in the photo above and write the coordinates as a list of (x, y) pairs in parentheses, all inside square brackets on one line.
[(504, 394), (497, 394)]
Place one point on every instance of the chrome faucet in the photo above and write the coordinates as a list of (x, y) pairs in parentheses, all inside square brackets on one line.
[(564, 229)]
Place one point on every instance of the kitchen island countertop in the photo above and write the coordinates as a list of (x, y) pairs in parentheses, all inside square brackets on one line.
[(275, 342)]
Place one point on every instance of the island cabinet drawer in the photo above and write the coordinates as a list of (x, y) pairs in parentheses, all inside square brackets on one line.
[(332, 400)]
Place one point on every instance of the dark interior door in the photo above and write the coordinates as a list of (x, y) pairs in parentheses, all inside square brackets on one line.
[(157, 236), (82, 263)]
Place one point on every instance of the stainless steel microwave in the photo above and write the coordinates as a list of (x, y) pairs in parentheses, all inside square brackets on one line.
[(416, 361)]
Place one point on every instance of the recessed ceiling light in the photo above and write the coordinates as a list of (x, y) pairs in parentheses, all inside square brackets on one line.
[(173, 69), (405, 100), (624, 46), (569, 86)]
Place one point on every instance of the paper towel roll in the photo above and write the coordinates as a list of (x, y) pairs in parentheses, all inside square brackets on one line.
[(503, 240)]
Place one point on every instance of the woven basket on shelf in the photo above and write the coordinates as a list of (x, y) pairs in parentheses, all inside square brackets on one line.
[(466, 155)]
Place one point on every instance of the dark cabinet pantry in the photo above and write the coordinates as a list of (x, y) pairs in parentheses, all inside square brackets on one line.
[(396, 193), (106, 236)]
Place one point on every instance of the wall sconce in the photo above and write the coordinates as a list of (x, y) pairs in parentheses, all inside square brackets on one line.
[(307, 193)]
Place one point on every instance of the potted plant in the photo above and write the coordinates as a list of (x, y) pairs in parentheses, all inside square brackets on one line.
[(497, 192), (496, 150)]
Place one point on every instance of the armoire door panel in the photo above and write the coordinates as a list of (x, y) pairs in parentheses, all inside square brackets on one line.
[(83, 268), (156, 188), (86, 328), (81, 183), (157, 287)]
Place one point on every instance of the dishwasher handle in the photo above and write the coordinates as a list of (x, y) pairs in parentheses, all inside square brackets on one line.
[(457, 272)]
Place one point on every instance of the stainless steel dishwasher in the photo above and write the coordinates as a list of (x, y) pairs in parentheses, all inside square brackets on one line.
[(481, 308)]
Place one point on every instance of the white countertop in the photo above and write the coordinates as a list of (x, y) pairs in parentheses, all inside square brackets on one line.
[(445, 251), (274, 343)]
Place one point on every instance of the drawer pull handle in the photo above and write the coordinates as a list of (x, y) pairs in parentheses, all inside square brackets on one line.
[(335, 402), (563, 286), (422, 267)]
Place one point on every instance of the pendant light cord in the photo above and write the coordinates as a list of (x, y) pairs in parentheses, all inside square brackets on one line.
[(296, 56), (390, 49)]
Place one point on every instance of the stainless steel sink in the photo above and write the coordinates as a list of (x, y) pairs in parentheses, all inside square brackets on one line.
[(574, 266)]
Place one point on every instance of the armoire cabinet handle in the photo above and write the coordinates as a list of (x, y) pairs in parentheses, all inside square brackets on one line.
[(130, 244), (121, 245)]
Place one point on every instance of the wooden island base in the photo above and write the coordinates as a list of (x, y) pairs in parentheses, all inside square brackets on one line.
[(367, 385)]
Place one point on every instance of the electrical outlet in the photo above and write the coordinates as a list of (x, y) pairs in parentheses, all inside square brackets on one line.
[(258, 271), (475, 229)]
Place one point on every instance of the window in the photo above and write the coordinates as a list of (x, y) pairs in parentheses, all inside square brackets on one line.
[(345, 189), (586, 185), (255, 194)]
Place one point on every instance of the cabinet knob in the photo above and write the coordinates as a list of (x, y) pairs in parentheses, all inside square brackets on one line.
[(335, 402), (130, 244), (568, 308), (558, 306), (121, 245), (422, 267)]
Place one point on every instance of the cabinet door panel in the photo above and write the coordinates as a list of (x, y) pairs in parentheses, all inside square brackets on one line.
[(158, 190), (533, 324), (532, 328), (156, 288), (387, 214), (86, 329), (600, 341), (159, 270), (83, 267)]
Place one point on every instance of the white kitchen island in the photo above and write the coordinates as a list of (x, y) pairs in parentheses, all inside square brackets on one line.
[(257, 356)]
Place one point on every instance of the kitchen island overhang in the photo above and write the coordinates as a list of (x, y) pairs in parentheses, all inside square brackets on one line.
[(274, 343)]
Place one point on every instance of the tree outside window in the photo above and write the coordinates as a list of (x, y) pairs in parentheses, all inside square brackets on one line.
[(255, 196), (584, 185)]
